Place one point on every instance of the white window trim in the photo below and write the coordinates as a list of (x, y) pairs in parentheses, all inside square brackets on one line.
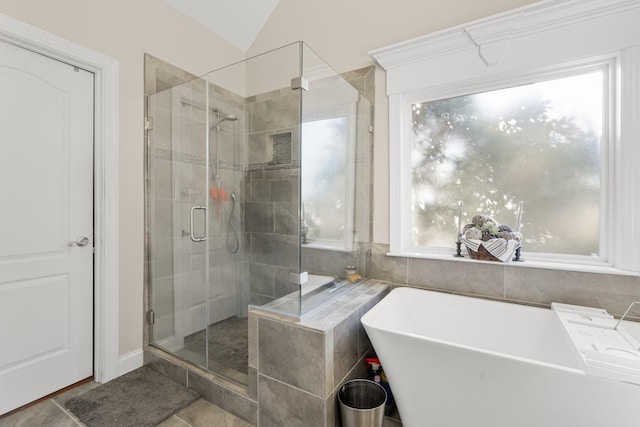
[(489, 53)]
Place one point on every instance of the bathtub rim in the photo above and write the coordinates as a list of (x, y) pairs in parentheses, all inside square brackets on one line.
[(368, 324)]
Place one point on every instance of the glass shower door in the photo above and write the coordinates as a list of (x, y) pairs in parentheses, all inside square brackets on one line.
[(198, 290), (177, 203)]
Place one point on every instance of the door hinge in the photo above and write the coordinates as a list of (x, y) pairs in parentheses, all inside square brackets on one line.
[(148, 123), (151, 317)]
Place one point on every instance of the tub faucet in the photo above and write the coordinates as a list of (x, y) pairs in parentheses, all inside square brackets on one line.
[(625, 313)]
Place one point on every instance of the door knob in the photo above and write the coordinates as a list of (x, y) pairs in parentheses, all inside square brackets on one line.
[(80, 241)]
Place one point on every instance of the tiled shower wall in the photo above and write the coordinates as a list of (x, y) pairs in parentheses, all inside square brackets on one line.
[(227, 273), (259, 162), (263, 172), (272, 192)]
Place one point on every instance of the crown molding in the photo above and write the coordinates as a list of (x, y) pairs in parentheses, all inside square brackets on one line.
[(492, 36)]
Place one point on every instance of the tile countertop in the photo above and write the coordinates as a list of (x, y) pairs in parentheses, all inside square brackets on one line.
[(330, 315)]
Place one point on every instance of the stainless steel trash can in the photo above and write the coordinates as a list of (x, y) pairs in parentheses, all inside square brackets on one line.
[(362, 403)]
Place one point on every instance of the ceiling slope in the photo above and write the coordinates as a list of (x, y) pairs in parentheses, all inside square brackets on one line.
[(236, 21)]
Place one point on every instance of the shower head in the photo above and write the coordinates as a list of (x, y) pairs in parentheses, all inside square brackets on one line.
[(229, 117)]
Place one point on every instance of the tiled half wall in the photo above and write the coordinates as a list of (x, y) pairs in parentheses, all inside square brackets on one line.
[(295, 366), (516, 282)]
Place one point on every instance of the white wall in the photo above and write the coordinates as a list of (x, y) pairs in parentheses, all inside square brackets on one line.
[(125, 30), (343, 32)]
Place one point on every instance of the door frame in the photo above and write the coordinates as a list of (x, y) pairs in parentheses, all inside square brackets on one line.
[(106, 179)]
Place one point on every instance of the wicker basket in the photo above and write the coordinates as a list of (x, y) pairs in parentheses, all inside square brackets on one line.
[(482, 254)]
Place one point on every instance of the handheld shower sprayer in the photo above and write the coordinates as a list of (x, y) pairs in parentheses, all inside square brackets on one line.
[(217, 193)]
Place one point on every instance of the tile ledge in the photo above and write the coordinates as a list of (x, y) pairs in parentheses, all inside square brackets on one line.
[(327, 317), (566, 266)]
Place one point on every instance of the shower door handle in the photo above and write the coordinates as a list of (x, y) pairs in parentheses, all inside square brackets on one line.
[(191, 228)]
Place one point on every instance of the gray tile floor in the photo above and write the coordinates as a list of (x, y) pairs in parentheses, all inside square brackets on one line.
[(228, 349), (52, 412)]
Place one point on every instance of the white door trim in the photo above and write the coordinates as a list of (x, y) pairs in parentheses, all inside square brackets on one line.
[(106, 192)]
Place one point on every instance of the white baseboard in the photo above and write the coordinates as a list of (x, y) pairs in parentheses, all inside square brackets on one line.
[(130, 361)]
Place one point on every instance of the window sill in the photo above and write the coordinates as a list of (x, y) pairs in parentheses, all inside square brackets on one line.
[(526, 263)]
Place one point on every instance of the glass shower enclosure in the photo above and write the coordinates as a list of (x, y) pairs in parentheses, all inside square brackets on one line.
[(258, 194)]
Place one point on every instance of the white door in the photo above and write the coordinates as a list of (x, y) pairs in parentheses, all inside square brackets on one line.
[(46, 202)]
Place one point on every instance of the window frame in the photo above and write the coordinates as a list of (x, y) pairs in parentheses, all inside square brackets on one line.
[(348, 112), (402, 166), (500, 51)]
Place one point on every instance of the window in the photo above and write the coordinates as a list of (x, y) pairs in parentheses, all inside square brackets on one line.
[(530, 105), (539, 144), (328, 151)]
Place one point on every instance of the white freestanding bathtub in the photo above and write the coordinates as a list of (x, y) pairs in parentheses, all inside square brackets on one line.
[(460, 361)]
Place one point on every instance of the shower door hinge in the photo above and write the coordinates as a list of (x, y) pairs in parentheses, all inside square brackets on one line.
[(148, 123), (299, 278), (299, 83), (151, 317)]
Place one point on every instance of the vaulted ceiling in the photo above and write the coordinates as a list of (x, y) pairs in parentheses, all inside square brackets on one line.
[(236, 21)]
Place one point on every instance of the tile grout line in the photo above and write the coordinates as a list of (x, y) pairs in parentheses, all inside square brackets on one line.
[(68, 413), (180, 419), (257, 360), (504, 282)]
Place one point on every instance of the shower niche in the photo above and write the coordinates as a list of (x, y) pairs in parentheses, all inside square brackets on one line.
[(257, 194)]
